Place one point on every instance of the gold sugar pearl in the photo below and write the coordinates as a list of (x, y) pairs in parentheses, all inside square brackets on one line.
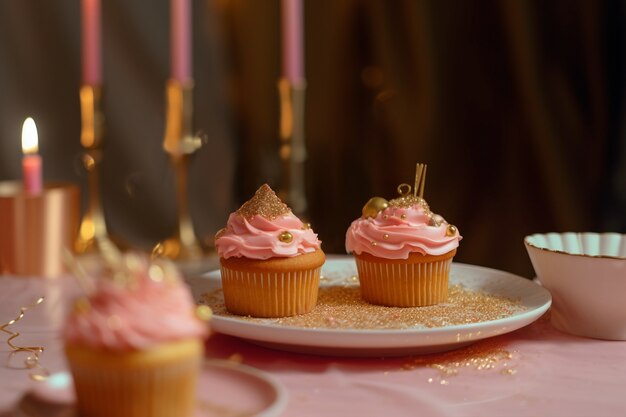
[(285, 237), (451, 230), (204, 313), (403, 216), (373, 243), (385, 236), (374, 206), (156, 273), (306, 226)]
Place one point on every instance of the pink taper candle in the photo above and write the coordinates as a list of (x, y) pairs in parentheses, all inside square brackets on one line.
[(31, 163), (180, 31), (92, 71), (293, 40)]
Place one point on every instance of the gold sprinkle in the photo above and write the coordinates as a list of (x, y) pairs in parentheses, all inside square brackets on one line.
[(451, 230), (306, 226), (264, 203), (204, 313), (385, 236), (374, 243), (156, 273), (82, 305), (409, 201), (343, 303), (385, 216), (285, 237), (403, 216), (236, 358)]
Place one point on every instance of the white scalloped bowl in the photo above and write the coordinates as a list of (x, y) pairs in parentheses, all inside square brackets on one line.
[(586, 275)]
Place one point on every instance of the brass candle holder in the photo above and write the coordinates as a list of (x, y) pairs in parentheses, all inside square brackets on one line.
[(292, 145), (180, 142), (93, 236)]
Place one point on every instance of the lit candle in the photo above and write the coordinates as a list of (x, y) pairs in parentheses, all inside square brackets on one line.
[(293, 41), (31, 163), (91, 42), (180, 32)]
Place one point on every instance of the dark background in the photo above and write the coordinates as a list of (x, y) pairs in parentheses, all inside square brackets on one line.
[(516, 106)]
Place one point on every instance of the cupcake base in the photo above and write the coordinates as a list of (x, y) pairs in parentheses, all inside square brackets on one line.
[(420, 280), (159, 382), (275, 287)]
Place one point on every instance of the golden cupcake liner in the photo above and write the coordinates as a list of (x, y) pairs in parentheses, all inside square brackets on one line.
[(270, 294), (155, 383), (404, 284)]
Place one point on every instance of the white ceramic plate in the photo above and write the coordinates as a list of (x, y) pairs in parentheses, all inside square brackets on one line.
[(224, 389), (348, 342)]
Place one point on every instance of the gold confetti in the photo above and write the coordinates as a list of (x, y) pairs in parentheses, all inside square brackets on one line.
[(39, 373), (265, 203), (341, 307)]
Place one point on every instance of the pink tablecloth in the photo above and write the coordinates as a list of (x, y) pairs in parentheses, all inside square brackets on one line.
[(553, 374)]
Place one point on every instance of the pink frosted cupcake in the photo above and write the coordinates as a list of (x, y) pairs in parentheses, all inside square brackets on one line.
[(135, 345), (270, 260), (403, 252)]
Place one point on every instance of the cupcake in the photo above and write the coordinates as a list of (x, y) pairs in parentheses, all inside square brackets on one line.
[(270, 260), (134, 345), (403, 251)]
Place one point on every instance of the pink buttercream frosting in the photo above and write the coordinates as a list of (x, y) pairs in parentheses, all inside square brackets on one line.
[(390, 236), (135, 316), (258, 237)]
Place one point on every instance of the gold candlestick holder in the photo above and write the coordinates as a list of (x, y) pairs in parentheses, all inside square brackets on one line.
[(292, 145), (93, 236), (180, 142)]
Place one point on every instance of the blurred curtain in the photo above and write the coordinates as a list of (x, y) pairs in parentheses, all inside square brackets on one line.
[(516, 106)]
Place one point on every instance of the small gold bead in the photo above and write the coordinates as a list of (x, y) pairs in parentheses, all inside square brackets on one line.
[(385, 236), (403, 217), (204, 313), (285, 237), (451, 230), (385, 217), (373, 243)]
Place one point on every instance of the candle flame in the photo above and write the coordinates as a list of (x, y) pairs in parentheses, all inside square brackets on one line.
[(30, 140)]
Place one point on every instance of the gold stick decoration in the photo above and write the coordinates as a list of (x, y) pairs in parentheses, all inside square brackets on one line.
[(180, 142), (420, 180), (292, 145), (32, 361), (93, 235)]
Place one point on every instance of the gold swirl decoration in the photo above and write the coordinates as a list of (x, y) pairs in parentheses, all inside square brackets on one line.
[(38, 373)]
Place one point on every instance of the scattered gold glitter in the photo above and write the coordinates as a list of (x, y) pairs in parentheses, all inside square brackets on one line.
[(483, 356), (341, 307), (39, 373), (385, 236), (265, 203), (451, 230), (204, 313), (285, 237)]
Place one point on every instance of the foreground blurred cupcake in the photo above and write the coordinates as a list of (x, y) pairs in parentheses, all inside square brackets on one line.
[(403, 250), (270, 260), (135, 344)]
